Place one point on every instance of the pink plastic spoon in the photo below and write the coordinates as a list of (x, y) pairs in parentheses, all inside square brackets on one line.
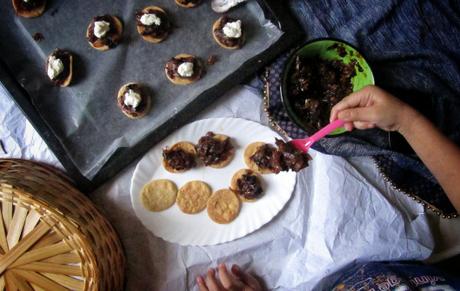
[(305, 143)]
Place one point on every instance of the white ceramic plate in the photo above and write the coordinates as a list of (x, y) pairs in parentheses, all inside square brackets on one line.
[(198, 229)]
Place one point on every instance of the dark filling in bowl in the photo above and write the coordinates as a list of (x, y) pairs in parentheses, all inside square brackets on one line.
[(28, 6), (228, 41), (64, 56), (111, 38), (179, 160), (249, 187), (142, 105), (285, 158), (173, 64), (315, 86), (154, 30), (212, 151)]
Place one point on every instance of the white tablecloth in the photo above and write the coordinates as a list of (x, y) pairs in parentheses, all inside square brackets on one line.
[(340, 211)]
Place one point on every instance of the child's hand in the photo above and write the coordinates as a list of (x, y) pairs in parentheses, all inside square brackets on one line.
[(371, 107), (237, 280)]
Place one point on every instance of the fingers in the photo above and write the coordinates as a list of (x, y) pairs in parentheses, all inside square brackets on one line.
[(246, 278), (236, 280), (355, 99), (333, 115), (359, 125), (201, 284), (361, 98), (211, 281), (226, 279), (348, 126), (357, 114), (363, 124)]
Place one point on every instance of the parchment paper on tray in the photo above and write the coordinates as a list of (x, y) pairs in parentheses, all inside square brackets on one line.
[(85, 115)]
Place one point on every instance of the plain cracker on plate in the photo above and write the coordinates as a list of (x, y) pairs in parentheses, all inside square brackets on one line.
[(193, 196), (158, 195), (223, 206)]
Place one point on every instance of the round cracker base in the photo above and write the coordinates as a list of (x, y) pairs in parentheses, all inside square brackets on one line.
[(193, 197), (223, 206), (70, 75), (118, 28), (140, 28), (248, 152), (214, 27), (158, 195), (186, 147), (150, 38), (185, 81), (130, 115), (223, 163), (189, 5), (68, 79), (238, 175), (28, 13)]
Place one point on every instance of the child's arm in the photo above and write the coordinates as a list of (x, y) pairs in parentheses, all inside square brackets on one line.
[(373, 107)]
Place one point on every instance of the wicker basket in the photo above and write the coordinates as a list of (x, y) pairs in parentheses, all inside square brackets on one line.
[(51, 236)]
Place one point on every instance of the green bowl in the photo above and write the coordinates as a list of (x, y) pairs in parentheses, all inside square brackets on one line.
[(328, 49)]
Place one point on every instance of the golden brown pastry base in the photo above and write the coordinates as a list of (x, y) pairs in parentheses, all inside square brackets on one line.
[(193, 197), (235, 47), (101, 46), (129, 114), (223, 163), (158, 195), (141, 29), (189, 5), (69, 77), (238, 175), (248, 152), (37, 11), (187, 147), (223, 206), (185, 81)]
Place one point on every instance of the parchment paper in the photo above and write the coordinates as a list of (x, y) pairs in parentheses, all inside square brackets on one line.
[(85, 115)]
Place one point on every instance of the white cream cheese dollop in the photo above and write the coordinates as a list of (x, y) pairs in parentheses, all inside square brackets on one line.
[(232, 29), (132, 99), (185, 69), (55, 67), (149, 19), (101, 28)]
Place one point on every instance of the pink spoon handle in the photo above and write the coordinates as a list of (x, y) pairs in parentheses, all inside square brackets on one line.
[(323, 132), (305, 143)]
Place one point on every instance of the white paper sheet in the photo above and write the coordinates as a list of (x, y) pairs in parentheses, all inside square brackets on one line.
[(341, 211)]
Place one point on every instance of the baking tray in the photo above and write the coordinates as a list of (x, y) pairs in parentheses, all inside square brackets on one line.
[(273, 10)]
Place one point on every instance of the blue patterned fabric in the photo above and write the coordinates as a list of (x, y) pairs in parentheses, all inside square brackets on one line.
[(390, 276), (413, 50)]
